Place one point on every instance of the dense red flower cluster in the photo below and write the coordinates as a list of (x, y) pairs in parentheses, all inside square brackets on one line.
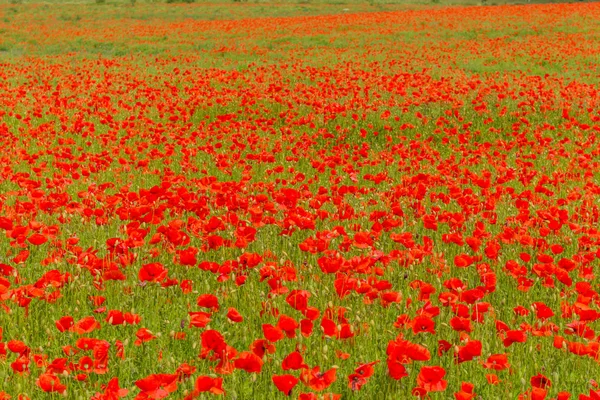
[(310, 219)]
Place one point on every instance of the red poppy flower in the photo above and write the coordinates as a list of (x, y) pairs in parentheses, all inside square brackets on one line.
[(285, 383), (468, 352), (85, 325), (50, 383), (461, 324), (298, 299), (423, 323), (199, 319), (262, 346), (188, 256), (521, 311), (329, 327), (208, 301), (430, 379), (6, 224), (112, 391), (272, 333), (538, 393), (306, 327), (308, 396), (208, 384), (540, 381), (361, 375), (497, 362), (184, 372), (466, 392), (65, 323), (154, 272), (16, 346), (143, 335), (443, 347), (86, 364), (542, 311), (37, 239), (212, 340), (317, 380), (396, 369), (594, 395), (233, 315), (294, 361), (514, 337), (21, 365), (157, 386), (288, 325), (405, 351), (249, 362)]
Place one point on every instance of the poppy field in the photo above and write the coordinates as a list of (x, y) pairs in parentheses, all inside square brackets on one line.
[(306, 202)]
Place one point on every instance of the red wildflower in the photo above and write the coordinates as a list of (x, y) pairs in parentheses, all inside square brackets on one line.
[(468, 352), (233, 315), (85, 325), (298, 299), (430, 379), (199, 319), (208, 384), (497, 362), (514, 336), (466, 392), (157, 386), (112, 391), (288, 325), (272, 333), (50, 383), (461, 324), (423, 323), (65, 323), (154, 272), (143, 335), (36, 239), (540, 381), (208, 301), (285, 383), (492, 379), (249, 362), (317, 380), (361, 375), (294, 361), (542, 311), (594, 395), (262, 346)]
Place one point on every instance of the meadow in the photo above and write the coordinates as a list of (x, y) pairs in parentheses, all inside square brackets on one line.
[(299, 200)]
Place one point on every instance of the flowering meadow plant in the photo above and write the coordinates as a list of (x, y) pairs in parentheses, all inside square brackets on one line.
[(350, 205)]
